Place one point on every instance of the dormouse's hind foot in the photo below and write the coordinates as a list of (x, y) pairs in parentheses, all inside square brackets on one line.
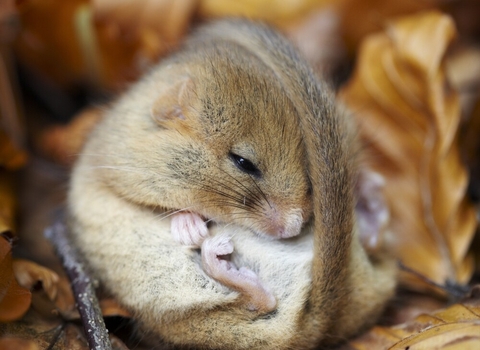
[(215, 254), (188, 229), (371, 211)]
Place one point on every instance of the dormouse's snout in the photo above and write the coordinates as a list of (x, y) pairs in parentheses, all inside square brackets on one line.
[(283, 223)]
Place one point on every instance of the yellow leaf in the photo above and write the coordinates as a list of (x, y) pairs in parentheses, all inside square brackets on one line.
[(14, 300), (456, 327), (17, 343), (278, 12), (12, 133), (104, 43), (409, 118)]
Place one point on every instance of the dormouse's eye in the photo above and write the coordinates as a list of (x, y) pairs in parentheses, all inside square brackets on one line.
[(245, 165)]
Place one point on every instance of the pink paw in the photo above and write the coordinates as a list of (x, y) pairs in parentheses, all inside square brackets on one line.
[(372, 211), (214, 258), (188, 229)]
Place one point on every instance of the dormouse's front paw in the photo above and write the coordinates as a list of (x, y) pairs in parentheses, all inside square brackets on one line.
[(188, 229), (215, 251)]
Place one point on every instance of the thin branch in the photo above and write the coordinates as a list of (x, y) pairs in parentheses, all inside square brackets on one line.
[(87, 302), (455, 291)]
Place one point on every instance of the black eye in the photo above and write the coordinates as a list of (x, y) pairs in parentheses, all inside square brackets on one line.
[(245, 165)]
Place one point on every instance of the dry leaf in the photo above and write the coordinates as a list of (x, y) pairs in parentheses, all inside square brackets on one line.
[(463, 69), (8, 203), (44, 333), (12, 156), (471, 149), (456, 327), (53, 332), (48, 334), (8, 23), (63, 143), (409, 118), (110, 307), (40, 44), (105, 43), (361, 18), (28, 274), (63, 304), (14, 343), (277, 12), (14, 300), (143, 15), (466, 14), (133, 34)]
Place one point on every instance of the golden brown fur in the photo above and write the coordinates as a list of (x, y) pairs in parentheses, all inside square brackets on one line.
[(165, 144)]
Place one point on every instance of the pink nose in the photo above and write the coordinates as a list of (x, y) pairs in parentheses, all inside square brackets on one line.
[(285, 225)]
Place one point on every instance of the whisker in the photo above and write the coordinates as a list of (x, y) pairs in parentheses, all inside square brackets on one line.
[(240, 195), (171, 212), (249, 191), (121, 168), (246, 214), (231, 204), (260, 190), (227, 195), (241, 199)]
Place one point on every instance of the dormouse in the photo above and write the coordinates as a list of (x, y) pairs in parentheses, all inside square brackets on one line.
[(220, 200)]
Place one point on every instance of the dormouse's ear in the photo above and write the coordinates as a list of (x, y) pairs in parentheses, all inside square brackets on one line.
[(174, 102)]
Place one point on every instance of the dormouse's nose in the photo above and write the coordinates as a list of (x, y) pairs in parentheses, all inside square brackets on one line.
[(283, 223)]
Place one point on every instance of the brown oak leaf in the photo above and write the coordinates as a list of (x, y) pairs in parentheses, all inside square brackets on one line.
[(409, 117), (456, 327), (14, 299)]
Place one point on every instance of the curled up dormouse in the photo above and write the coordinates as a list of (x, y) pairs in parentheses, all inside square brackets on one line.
[(219, 200)]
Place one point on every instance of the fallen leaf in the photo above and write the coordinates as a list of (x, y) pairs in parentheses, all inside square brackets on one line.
[(409, 116), (277, 12), (456, 327), (12, 138), (63, 143), (14, 343), (362, 18), (103, 43), (133, 34), (63, 305), (8, 23), (463, 69), (11, 157), (466, 14), (143, 14), (110, 307), (14, 300), (28, 274), (8, 203), (36, 332)]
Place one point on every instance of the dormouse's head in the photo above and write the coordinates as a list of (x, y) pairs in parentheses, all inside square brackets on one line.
[(221, 139)]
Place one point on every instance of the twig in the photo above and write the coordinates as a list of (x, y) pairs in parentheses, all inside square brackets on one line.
[(87, 302), (454, 290)]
